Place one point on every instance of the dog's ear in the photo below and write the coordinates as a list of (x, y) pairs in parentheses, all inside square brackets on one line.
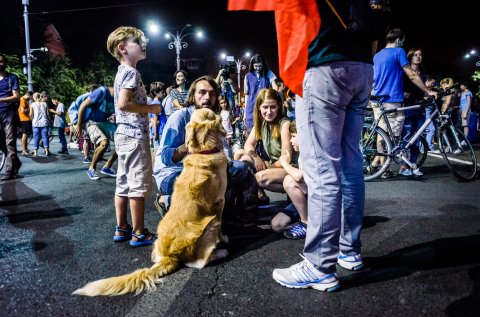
[(190, 137)]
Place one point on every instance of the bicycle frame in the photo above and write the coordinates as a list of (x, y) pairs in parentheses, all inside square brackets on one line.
[(414, 138)]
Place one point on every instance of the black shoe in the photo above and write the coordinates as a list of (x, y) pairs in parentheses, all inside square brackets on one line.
[(63, 151)]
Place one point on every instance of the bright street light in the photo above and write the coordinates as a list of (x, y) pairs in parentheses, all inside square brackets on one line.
[(178, 42), (153, 27)]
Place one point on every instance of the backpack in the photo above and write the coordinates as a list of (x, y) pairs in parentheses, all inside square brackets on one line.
[(74, 107), (368, 19)]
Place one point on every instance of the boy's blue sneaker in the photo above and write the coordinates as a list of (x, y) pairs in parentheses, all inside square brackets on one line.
[(87, 160), (108, 171), (142, 239), (305, 275), (125, 234), (92, 174), (350, 262), (298, 231)]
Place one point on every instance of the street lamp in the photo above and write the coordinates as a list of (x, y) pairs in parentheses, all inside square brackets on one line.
[(238, 63), (178, 42), (28, 58)]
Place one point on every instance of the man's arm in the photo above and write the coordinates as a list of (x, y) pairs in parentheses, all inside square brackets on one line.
[(417, 80), (126, 103), (81, 113), (14, 97), (172, 149)]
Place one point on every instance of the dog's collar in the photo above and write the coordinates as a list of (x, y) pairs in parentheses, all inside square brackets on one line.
[(212, 151)]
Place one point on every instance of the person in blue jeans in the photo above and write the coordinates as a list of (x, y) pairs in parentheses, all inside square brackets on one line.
[(329, 118), (60, 123), (172, 150)]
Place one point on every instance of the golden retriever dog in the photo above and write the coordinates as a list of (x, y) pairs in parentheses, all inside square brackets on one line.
[(191, 230)]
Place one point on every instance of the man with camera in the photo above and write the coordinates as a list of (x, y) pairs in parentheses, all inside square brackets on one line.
[(227, 86)]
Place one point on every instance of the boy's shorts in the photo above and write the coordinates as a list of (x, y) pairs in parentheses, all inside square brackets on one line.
[(100, 131), (292, 212), (134, 171)]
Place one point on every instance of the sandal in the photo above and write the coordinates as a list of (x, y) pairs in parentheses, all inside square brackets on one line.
[(126, 234), (142, 239)]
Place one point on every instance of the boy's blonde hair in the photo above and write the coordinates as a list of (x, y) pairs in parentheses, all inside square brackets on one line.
[(121, 34)]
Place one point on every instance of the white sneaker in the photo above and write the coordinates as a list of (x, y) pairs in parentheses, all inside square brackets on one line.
[(405, 172), (350, 262), (305, 275), (417, 172), (463, 143), (457, 151)]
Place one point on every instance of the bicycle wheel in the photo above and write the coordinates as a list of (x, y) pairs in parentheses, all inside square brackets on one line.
[(423, 150), (457, 152), (3, 157), (374, 144)]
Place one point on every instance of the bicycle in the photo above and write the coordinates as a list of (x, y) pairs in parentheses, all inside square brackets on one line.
[(456, 150), (395, 142)]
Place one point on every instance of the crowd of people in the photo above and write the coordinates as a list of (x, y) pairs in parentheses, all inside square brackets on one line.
[(323, 181)]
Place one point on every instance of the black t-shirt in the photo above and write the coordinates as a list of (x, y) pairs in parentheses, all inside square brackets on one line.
[(333, 42)]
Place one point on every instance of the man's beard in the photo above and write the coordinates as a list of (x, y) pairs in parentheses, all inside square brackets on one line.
[(206, 104)]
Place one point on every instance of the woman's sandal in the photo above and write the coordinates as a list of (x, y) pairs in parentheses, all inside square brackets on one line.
[(142, 239), (126, 234)]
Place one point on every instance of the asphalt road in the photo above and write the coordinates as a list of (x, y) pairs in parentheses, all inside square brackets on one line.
[(421, 243)]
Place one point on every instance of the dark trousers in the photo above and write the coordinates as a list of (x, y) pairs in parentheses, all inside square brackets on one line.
[(8, 139)]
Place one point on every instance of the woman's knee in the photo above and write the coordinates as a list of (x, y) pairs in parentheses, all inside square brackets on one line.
[(289, 182), (238, 154)]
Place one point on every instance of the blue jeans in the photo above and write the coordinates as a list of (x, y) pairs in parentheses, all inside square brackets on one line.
[(329, 118), (37, 131), (430, 128), (61, 137), (237, 172), (413, 121)]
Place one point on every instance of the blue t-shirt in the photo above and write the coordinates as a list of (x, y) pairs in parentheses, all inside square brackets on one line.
[(388, 73), (102, 105), (463, 100), (7, 86)]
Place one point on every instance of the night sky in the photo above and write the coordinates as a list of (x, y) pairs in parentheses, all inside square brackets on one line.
[(444, 31)]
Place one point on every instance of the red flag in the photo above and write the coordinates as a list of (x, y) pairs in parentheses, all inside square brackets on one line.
[(297, 22), (53, 42)]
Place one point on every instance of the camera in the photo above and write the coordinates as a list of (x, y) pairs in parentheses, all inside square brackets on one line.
[(228, 69)]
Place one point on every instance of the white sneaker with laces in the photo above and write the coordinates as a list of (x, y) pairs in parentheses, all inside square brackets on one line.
[(350, 262), (305, 275)]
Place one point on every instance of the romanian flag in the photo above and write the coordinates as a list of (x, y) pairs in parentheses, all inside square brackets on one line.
[(298, 23)]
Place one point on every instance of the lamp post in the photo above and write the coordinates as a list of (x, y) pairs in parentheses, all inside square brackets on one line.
[(178, 41), (29, 58), (239, 65)]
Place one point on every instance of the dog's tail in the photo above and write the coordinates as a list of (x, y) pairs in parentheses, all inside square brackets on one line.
[(142, 279)]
